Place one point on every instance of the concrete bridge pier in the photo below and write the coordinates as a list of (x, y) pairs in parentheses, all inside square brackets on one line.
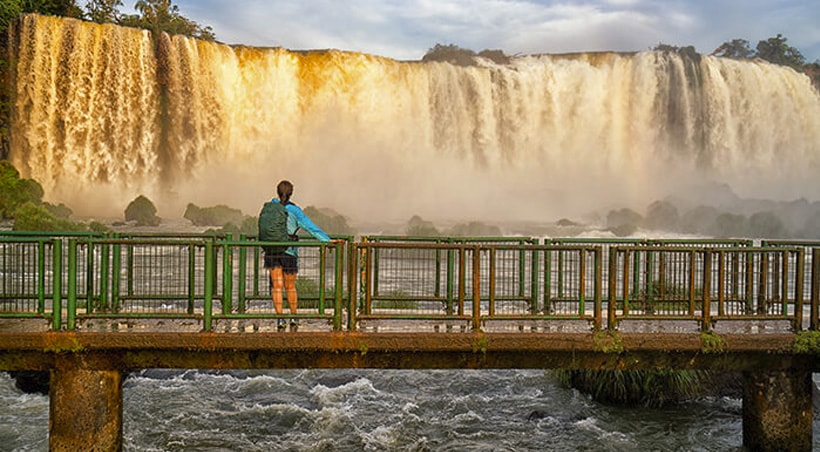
[(777, 411), (86, 409)]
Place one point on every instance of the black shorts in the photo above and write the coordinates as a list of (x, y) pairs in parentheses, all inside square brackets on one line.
[(288, 263)]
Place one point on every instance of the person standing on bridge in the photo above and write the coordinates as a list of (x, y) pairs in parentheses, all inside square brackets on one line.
[(282, 263)]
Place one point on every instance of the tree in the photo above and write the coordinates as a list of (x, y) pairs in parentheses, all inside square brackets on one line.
[(775, 50), (104, 11), (450, 53), (736, 48), (163, 16)]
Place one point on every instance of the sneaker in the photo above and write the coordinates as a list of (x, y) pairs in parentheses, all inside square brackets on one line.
[(281, 325), (294, 324)]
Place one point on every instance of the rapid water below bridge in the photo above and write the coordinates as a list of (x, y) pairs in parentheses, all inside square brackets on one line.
[(90, 308)]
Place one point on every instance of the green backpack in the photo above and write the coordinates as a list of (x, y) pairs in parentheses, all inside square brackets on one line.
[(273, 226)]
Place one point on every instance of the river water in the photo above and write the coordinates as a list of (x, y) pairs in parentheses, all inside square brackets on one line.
[(380, 410)]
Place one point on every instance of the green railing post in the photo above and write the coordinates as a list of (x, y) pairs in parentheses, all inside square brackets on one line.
[(243, 274), (41, 277), (451, 267), (476, 288), (706, 321), (210, 265), (596, 324), (548, 282), (338, 286), (71, 307), (57, 285), (462, 280), (582, 262), (534, 272), (491, 282), (129, 268), (522, 271), (721, 283), (89, 275), (116, 266), (227, 278), (104, 271), (369, 257), (798, 289), (322, 271), (191, 277), (354, 277), (814, 321), (613, 296)]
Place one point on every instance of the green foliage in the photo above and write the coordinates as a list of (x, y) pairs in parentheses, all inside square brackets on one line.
[(219, 215), (163, 16), (59, 211), (142, 210), (474, 229), (775, 50), (96, 226), (31, 217), (608, 342), (15, 191), (459, 56), (329, 221), (685, 51), (450, 53), (712, 343), (103, 11), (648, 388), (417, 227), (10, 10), (807, 342), (496, 56), (736, 48)]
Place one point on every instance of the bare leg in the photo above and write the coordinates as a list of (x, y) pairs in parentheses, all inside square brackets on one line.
[(290, 292), (278, 284)]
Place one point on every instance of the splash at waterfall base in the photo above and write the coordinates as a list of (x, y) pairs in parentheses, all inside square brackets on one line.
[(102, 114)]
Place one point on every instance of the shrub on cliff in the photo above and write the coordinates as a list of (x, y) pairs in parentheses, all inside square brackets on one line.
[(142, 211), (330, 221), (475, 229), (219, 215), (15, 191), (33, 217)]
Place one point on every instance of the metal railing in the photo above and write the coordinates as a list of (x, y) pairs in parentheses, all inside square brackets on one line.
[(73, 280)]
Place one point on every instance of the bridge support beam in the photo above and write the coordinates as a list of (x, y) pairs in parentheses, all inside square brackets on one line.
[(777, 411), (86, 410)]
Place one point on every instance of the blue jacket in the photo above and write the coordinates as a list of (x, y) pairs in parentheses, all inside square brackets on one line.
[(297, 219)]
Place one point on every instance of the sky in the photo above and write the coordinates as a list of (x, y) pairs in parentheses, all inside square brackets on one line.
[(407, 29)]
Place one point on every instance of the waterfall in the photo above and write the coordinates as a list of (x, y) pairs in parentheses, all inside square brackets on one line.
[(103, 113)]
